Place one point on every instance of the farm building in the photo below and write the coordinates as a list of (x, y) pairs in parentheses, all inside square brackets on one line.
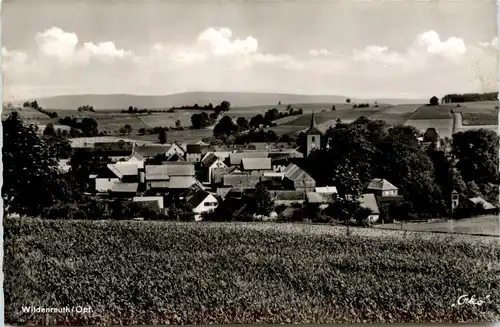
[(297, 178), (121, 172), (326, 189), (241, 181), (194, 152), (175, 177), (124, 190), (256, 165), (382, 187), (236, 158), (486, 205)]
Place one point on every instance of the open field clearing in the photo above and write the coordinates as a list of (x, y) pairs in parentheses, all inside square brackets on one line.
[(188, 273), (475, 118), (444, 126), (167, 119), (487, 225), (322, 117), (433, 112)]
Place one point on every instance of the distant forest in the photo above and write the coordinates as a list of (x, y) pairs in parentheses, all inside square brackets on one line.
[(470, 97)]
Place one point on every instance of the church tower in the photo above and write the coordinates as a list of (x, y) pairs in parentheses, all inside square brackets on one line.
[(313, 137)]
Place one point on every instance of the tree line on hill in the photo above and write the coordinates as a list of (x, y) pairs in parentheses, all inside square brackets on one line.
[(470, 97), (34, 105)]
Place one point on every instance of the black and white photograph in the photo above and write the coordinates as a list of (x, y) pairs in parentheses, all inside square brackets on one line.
[(250, 162)]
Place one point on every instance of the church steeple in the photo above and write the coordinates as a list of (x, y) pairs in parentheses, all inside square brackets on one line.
[(313, 121)]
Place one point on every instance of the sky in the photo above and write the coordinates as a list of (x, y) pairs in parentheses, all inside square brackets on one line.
[(404, 49)]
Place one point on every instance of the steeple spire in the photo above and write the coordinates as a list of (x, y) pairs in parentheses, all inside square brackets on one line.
[(313, 121)]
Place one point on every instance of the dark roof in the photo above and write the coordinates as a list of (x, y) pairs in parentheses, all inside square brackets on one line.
[(175, 158), (288, 195), (209, 160), (196, 148), (152, 151), (241, 180), (313, 129), (195, 198), (218, 173)]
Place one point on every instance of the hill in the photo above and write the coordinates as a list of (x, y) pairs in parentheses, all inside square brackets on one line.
[(237, 99)]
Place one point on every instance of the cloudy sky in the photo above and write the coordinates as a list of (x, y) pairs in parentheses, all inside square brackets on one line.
[(361, 49)]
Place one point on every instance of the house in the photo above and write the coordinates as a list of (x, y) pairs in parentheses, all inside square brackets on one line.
[(235, 159), (288, 197), (151, 151), (222, 192), (199, 201), (323, 199), (241, 181), (176, 158), (174, 177), (208, 165), (487, 206), (194, 152), (124, 190), (219, 173), (174, 149), (368, 201), (382, 187), (298, 179), (123, 172), (136, 158), (326, 189), (256, 165)]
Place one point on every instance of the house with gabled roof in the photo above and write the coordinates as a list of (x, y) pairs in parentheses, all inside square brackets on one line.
[(176, 177), (199, 201), (124, 190), (120, 172), (322, 199), (298, 179), (219, 173), (235, 159), (381, 187), (209, 163), (256, 165), (194, 152)]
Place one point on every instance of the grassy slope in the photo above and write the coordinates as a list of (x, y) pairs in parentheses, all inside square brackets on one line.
[(156, 273)]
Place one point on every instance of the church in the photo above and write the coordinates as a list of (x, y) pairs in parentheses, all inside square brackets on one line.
[(313, 137)]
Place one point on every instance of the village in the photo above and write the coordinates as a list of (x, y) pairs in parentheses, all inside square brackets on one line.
[(205, 177)]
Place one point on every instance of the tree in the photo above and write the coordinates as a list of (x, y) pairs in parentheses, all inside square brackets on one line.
[(476, 152), (162, 135), (256, 121), (301, 111), (89, 126), (199, 121), (348, 100), (127, 129), (225, 127), (225, 105), (434, 101), (333, 108), (31, 178), (242, 123), (34, 105), (261, 203), (130, 109), (82, 165), (178, 124), (26, 104), (49, 130)]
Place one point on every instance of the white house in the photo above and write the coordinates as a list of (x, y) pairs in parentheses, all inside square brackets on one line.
[(119, 172), (200, 202), (382, 187), (209, 163)]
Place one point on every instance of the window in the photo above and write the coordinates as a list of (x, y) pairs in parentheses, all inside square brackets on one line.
[(313, 139)]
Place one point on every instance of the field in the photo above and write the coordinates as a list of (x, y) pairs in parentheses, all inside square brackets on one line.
[(188, 273), (488, 225)]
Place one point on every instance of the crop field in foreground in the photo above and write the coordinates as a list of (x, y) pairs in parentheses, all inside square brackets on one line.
[(189, 273)]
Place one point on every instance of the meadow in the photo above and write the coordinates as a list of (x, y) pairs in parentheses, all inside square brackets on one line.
[(200, 273)]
